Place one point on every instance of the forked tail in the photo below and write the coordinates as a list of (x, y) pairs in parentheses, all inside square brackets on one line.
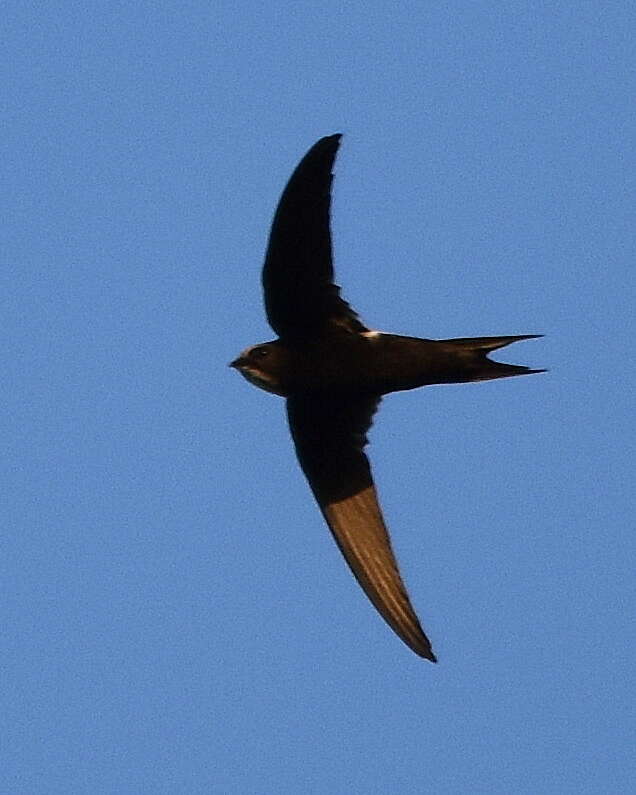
[(473, 351)]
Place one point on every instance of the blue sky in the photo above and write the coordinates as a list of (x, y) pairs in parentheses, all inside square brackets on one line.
[(176, 617)]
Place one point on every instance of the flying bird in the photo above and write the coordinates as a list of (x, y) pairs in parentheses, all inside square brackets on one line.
[(333, 372)]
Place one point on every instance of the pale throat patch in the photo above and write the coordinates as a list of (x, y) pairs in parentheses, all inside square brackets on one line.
[(258, 380), (371, 335)]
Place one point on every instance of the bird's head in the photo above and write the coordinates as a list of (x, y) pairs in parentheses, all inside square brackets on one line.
[(265, 366)]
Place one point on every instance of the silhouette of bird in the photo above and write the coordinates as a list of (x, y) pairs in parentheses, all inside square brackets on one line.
[(333, 371)]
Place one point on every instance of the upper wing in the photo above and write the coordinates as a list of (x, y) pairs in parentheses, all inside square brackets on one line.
[(300, 297), (330, 435)]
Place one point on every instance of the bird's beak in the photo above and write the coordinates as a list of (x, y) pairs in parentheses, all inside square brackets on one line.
[(237, 363)]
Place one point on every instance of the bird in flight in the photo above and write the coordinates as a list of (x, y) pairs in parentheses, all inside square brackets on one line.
[(333, 372)]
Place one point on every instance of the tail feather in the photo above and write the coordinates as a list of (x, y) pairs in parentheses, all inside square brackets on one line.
[(478, 367), (490, 343)]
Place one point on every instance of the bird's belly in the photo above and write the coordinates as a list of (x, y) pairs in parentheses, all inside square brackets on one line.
[(374, 365)]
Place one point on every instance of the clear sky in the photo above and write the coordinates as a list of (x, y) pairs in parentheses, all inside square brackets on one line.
[(175, 615)]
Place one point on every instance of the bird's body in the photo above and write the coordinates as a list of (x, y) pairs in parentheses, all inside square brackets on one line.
[(333, 371), (377, 363)]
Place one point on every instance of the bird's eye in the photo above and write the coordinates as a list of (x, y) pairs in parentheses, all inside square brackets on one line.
[(261, 352)]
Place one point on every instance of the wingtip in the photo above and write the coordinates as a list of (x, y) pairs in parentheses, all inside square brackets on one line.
[(427, 653), (332, 139), (327, 146), (422, 648)]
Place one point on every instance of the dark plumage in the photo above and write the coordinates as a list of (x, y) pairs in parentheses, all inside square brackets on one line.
[(333, 372)]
